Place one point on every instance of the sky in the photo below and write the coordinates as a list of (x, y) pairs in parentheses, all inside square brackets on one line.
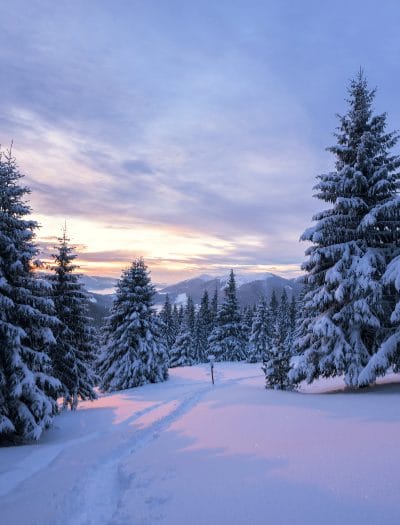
[(186, 132)]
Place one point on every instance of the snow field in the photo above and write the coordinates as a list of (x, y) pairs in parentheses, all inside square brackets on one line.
[(184, 452)]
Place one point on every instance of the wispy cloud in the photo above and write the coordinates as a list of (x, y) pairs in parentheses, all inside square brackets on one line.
[(191, 139)]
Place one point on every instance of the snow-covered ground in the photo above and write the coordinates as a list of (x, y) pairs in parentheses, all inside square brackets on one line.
[(185, 452)]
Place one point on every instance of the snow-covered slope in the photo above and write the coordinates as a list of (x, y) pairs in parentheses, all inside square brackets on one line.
[(186, 452)]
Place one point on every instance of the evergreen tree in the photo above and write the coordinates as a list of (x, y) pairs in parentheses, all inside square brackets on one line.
[(176, 321), (134, 352), (352, 244), (73, 355), (214, 308), (303, 319), (284, 317), (181, 315), (191, 315), (204, 324), (293, 315), (259, 341), (388, 353), (183, 350), (169, 331), (276, 363), (247, 316), (226, 341), (28, 390)]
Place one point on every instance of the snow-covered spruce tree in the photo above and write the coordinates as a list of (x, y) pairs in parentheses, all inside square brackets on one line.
[(181, 315), (214, 309), (183, 350), (293, 313), (284, 319), (175, 321), (247, 316), (168, 329), (260, 340), (351, 243), (73, 356), (191, 315), (226, 341), (388, 353), (203, 329), (133, 349), (303, 318), (273, 308), (276, 359), (28, 390)]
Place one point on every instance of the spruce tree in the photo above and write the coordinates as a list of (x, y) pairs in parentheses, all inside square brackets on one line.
[(175, 321), (73, 355), (273, 308), (388, 353), (168, 324), (28, 390), (293, 313), (259, 341), (214, 308), (181, 315), (226, 341), (277, 356), (352, 243), (183, 350), (191, 315), (203, 329), (247, 316), (133, 349), (284, 318)]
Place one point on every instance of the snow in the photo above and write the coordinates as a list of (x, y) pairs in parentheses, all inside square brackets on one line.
[(185, 452)]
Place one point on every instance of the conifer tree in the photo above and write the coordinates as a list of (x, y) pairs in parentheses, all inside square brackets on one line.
[(133, 349), (214, 308), (247, 316), (191, 315), (73, 355), (226, 341), (183, 350), (204, 324), (388, 353), (259, 341), (181, 315), (352, 242), (276, 364), (28, 390), (168, 324), (176, 321), (284, 318), (303, 319), (273, 307), (293, 315)]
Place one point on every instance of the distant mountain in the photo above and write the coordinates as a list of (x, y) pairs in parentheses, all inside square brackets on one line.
[(250, 288)]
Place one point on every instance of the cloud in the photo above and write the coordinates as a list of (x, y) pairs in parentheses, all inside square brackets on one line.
[(137, 166), (208, 127)]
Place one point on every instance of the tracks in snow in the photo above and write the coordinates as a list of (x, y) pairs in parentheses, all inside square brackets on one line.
[(99, 494)]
